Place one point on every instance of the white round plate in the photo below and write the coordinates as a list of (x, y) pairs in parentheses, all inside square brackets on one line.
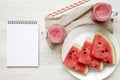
[(78, 35)]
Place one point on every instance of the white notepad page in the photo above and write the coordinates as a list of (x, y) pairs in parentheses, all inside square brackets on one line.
[(22, 43)]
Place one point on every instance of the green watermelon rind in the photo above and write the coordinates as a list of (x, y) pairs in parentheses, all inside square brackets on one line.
[(90, 40), (111, 44), (78, 46), (101, 67), (86, 70)]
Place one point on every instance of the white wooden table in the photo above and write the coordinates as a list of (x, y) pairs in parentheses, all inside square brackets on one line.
[(50, 65)]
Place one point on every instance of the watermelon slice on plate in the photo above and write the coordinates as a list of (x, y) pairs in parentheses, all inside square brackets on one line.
[(103, 49), (71, 60), (78, 35), (85, 57)]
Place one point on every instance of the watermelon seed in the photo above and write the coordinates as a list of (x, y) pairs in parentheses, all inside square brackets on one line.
[(84, 52), (107, 61), (73, 51), (106, 50), (102, 51), (77, 57), (84, 49), (99, 42), (73, 67)]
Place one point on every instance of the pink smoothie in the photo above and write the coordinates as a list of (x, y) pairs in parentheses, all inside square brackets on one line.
[(101, 12), (56, 34)]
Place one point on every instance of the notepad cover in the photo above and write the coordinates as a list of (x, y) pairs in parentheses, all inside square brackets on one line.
[(22, 43)]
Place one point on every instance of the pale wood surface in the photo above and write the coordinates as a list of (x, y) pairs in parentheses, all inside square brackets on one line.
[(50, 65)]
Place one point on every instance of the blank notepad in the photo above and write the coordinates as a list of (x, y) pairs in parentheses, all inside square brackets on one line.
[(22, 43)]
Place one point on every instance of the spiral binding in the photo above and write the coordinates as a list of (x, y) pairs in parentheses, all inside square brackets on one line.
[(68, 7), (21, 22)]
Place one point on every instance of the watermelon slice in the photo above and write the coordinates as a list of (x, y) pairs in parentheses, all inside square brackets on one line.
[(85, 57), (56, 34), (103, 49), (71, 60)]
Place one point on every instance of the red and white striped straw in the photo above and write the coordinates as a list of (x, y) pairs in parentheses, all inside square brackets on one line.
[(68, 7)]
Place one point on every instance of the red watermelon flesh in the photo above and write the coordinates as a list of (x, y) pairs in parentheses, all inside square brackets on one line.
[(103, 49), (71, 60), (85, 57)]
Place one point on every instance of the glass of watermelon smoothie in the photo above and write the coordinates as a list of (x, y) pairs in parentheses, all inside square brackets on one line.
[(102, 12), (56, 34)]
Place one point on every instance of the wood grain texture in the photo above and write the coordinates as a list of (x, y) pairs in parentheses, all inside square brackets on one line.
[(50, 64)]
